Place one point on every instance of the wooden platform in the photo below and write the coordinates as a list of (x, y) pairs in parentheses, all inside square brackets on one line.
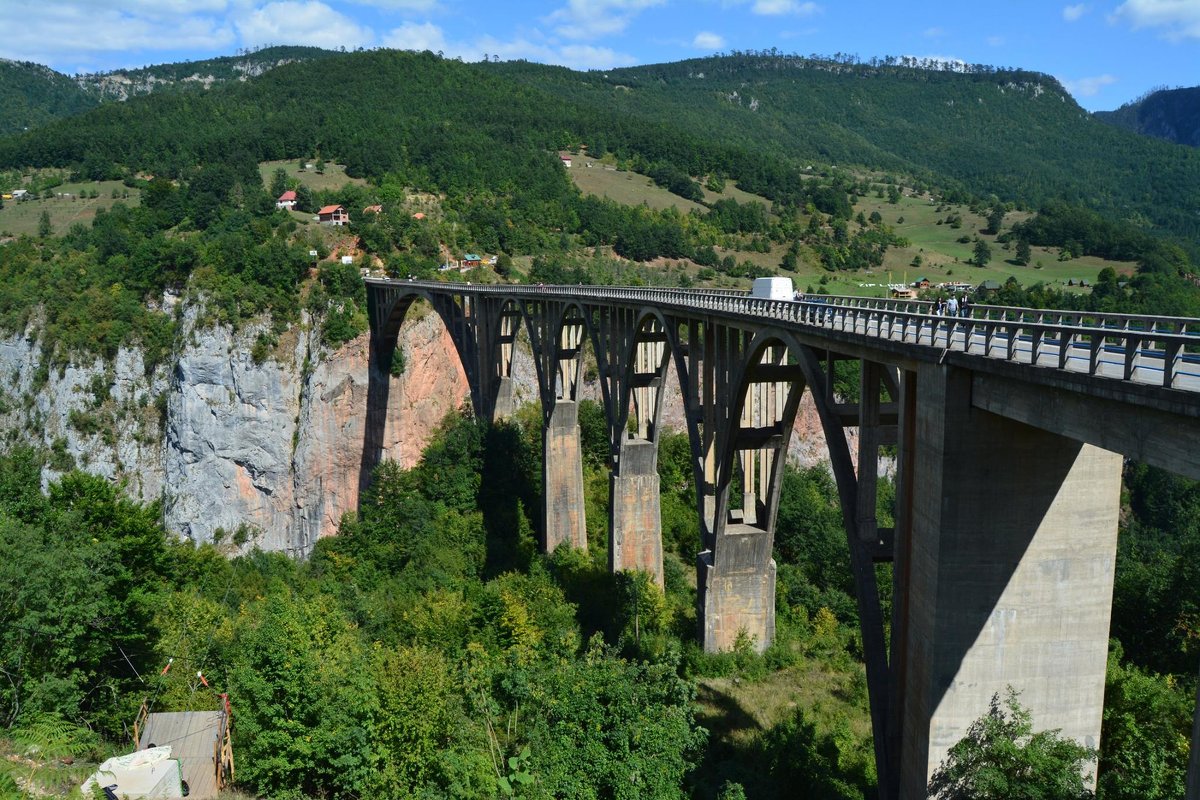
[(198, 739)]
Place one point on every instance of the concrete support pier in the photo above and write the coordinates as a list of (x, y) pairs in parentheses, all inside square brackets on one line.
[(562, 479), (505, 405), (1012, 553), (736, 583), (1193, 776), (635, 520)]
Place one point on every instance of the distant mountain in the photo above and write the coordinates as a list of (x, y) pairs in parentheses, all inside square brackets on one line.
[(1171, 114), (1013, 133), (760, 119), (126, 83), (32, 95)]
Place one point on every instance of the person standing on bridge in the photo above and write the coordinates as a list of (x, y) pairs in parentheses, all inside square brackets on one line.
[(964, 307), (952, 306)]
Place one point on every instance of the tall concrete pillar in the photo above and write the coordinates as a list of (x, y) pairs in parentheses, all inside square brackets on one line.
[(505, 404), (562, 484), (635, 520), (1193, 776), (736, 585), (1011, 559)]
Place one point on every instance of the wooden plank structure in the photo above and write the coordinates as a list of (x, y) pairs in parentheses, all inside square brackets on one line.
[(201, 742)]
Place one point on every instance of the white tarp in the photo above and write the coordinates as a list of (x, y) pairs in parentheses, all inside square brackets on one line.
[(145, 773)]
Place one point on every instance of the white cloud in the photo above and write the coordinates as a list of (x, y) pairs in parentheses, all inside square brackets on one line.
[(307, 22), (774, 8), (55, 31), (708, 41), (1073, 13), (1179, 18), (580, 56), (416, 36), (1087, 87), (400, 5), (933, 33), (593, 19), (995, 41)]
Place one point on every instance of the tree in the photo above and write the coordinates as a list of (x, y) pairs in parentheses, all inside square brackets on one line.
[(1024, 252), (1001, 758), (983, 253), (504, 265), (279, 182), (44, 226), (1147, 726), (995, 220)]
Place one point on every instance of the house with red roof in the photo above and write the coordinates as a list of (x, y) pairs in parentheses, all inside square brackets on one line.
[(333, 215), (287, 200)]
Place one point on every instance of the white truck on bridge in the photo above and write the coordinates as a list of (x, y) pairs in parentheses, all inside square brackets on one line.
[(772, 288)]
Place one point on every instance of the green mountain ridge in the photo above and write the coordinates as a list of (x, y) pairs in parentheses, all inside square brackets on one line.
[(761, 119), (1170, 114), (32, 95)]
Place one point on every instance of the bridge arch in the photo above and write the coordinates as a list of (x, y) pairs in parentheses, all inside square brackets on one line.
[(1011, 403)]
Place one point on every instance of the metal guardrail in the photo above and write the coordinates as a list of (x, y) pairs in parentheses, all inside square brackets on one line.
[(1160, 351)]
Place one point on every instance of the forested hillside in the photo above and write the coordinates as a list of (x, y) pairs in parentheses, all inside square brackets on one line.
[(32, 95), (1009, 133), (1012, 133), (1171, 114)]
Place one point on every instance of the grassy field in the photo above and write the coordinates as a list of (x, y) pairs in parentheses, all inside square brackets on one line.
[(65, 208), (943, 257), (334, 176), (628, 188)]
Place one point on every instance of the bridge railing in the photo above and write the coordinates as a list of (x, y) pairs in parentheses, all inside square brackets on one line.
[(1142, 349)]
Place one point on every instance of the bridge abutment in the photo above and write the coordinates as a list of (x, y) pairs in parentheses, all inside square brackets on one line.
[(562, 485), (635, 523), (1011, 561)]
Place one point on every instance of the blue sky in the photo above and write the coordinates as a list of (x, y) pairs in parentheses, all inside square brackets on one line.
[(1106, 52)]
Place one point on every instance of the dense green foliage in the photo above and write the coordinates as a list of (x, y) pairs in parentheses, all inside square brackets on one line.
[(1012, 133), (31, 95), (1002, 758)]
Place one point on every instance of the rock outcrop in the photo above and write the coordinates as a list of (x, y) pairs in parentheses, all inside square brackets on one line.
[(253, 452)]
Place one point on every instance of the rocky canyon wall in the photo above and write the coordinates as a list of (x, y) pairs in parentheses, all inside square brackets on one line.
[(253, 452)]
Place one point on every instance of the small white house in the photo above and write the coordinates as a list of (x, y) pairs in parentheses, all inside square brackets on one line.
[(20, 194)]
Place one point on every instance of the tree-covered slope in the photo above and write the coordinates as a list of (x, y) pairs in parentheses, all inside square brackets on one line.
[(1171, 114), (1013, 133), (32, 95), (759, 119)]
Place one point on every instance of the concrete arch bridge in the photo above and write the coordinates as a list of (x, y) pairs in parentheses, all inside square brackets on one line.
[(1009, 429)]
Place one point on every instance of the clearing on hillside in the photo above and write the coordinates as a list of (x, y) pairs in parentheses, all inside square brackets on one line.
[(333, 177), (67, 206)]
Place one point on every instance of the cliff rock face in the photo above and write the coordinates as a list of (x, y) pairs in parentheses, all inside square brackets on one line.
[(264, 454), (257, 454), (270, 453), (100, 417)]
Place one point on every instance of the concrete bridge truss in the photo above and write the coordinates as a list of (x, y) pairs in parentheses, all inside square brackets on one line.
[(1008, 429)]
